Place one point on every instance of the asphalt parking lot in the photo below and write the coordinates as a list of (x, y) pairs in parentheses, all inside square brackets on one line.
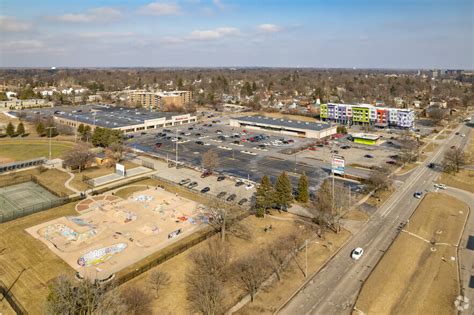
[(245, 160)]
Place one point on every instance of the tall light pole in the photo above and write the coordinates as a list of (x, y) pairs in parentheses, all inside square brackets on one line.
[(176, 148), (50, 128)]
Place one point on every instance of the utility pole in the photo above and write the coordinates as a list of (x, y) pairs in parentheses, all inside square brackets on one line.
[(306, 258), (50, 128)]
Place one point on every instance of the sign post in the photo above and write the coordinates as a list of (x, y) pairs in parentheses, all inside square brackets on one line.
[(120, 169)]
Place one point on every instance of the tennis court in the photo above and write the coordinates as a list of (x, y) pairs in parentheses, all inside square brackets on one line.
[(22, 199)]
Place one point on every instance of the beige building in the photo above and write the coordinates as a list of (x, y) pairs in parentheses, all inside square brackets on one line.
[(159, 100), (20, 104)]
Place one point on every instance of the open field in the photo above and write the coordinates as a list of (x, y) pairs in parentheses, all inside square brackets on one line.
[(425, 281), (19, 250), (173, 300), (112, 233), (25, 149), (93, 172), (270, 298)]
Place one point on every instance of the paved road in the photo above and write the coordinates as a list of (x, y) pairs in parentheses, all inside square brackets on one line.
[(334, 289)]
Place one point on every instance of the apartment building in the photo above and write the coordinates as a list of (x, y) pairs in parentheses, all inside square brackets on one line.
[(147, 100), (160, 100), (368, 114), (21, 104)]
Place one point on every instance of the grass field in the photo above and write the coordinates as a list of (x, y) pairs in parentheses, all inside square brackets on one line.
[(173, 299), (25, 149), (19, 250), (423, 279)]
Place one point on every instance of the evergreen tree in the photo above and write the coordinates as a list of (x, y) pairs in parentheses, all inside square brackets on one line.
[(303, 194), (283, 191), (20, 129), (264, 196), (40, 129), (10, 129)]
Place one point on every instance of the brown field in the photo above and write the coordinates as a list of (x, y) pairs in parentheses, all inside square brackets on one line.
[(93, 172), (356, 215), (425, 281), (173, 300), (19, 250)]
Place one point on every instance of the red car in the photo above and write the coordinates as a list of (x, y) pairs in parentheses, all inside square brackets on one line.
[(158, 144), (312, 148), (206, 174)]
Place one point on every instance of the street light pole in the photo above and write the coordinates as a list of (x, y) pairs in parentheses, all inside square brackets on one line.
[(306, 258), (50, 128), (176, 147)]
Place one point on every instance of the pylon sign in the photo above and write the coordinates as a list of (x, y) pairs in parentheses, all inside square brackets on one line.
[(337, 164)]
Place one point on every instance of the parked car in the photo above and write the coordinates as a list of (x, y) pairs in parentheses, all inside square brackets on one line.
[(220, 178), (205, 190), (206, 174), (312, 148), (221, 194), (345, 147), (231, 197), (200, 142), (239, 183), (418, 195), (143, 133), (457, 133), (249, 186), (184, 181), (192, 185), (453, 147), (391, 162), (242, 201), (357, 253), (369, 156), (440, 186), (158, 144)]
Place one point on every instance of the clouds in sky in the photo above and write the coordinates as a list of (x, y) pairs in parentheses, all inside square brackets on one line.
[(159, 8), (102, 14), (236, 33)]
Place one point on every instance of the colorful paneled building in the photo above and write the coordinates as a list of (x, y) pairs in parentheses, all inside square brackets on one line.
[(368, 114)]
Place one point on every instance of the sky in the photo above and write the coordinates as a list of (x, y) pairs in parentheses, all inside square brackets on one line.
[(407, 34)]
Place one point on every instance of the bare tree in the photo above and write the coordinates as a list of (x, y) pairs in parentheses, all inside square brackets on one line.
[(79, 157), (378, 180), (67, 296), (250, 273), (437, 114), (210, 160), (157, 280), (205, 293), (453, 160), (137, 300), (280, 251), (409, 148), (204, 282), (115, 153), (223, 217)]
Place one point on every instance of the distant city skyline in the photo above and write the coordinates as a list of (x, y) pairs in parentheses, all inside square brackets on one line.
[(399, 34)]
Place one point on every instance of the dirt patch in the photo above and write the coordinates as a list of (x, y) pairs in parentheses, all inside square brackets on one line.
[(425, 280), (356, 215)]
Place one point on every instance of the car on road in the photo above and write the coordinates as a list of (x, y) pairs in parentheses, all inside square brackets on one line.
[(369, 156), (453, 147), (242, 201), (205, 190), (431, 165), (184, 181), (440, 186), (357, 253), (192, 185), (221, 194), (345, 147), (239, 183), (199, 142), (220, 178), (418, 195), (143, 133), (206, 174), (231, 197)]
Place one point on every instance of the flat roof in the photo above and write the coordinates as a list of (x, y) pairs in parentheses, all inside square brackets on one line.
[(365, 136), (104, 115), (284, 123)]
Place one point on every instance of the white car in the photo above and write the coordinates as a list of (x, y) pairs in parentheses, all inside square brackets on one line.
[(357, 253), (463, 135), (440, 186)]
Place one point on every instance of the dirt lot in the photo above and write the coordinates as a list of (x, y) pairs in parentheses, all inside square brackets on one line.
[(19, 250), (425, 281), (173, 300)]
